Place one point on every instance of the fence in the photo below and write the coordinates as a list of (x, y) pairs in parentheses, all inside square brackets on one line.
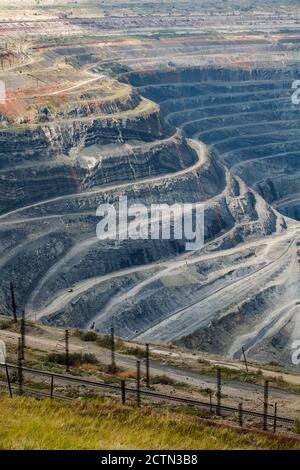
[(123, 390)]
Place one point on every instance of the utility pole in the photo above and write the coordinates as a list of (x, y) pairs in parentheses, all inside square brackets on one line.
[(112, 348), (147, 367), (67, 351), (245, 359), (266, 399), (138, 383), (219, 390), (13, 302)]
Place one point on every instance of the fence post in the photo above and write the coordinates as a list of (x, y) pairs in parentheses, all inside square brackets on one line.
[(209, 393), (112, 348), (20, 366), (138, 381), (147, 367), (51, 387), (123, 392), (210, 400), (67, 351), (219, 389), (266, 399), (8, 381), (23, 332), (275, 418), (241, 414)]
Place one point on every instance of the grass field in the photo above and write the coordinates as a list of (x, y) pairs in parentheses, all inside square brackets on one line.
[(28, 423)]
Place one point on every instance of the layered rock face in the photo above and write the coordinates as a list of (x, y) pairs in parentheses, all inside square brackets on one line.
[(247, 117), (249, 121), (178, 139)]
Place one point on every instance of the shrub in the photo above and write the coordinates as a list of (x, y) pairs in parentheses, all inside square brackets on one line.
[(5, 324), (88, 358), (138, 352), (110, 369), (274, 363), (75, 359), (162, 379), (88, 336), (104, 341)]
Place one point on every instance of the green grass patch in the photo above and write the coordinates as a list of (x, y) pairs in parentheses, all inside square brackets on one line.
[(28, 423)]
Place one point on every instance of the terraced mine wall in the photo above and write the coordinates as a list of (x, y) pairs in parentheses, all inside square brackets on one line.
[(246, 116), (251, 126), (142, 161), (31, 156), (42, 165), (92, 105), (153, 289)]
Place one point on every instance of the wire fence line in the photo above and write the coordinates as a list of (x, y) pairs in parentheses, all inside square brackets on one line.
[(138, 392)]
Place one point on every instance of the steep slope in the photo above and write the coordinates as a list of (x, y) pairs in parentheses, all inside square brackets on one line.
[(250, 123), (68, 156)]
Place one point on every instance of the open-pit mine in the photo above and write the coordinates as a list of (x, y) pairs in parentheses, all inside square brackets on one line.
[(160, 104)]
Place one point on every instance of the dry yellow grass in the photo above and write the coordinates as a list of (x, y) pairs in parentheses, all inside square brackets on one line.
[(27, 423)]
